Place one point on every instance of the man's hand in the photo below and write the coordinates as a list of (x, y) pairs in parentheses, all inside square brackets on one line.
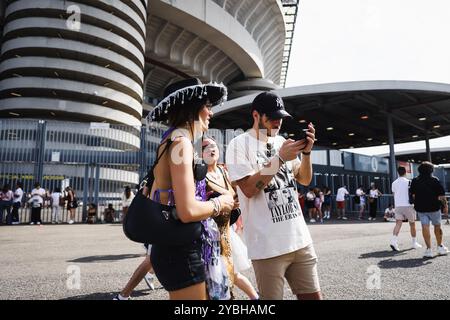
[(290, 149)]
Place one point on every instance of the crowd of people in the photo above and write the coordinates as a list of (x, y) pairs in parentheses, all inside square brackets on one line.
[(57, 201)]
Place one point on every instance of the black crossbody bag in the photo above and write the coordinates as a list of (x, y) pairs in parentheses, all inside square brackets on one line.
[(151, 222)]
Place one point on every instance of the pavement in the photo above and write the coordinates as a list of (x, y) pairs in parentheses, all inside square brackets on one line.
[(355, 262)]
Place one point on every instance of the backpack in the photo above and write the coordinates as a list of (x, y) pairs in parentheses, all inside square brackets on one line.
[(410, 195)]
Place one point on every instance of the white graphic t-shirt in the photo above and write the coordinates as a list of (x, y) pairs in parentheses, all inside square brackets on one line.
[(273, 220), (400, 188)]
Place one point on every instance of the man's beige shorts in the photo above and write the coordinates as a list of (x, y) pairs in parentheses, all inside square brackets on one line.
[(405, 213), (298, 267)]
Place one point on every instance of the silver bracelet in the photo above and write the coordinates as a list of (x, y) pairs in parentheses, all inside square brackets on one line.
[(216, 210)]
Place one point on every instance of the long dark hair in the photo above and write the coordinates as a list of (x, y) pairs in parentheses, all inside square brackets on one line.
[(179, 116)]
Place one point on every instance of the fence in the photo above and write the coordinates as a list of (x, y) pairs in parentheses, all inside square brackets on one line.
[(98, 160)]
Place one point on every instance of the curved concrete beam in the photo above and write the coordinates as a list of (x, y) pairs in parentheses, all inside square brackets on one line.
[(85, 109), (86, 10), (212, 23), (58, 24), (72, 65), (76, 46)]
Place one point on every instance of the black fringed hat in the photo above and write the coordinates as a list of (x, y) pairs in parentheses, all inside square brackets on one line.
[(187, 93)]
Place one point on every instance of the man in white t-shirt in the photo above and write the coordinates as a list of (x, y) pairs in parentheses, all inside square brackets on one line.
[(340, 202), (265, 168), (404, 210), (37, 202), (362, 201)]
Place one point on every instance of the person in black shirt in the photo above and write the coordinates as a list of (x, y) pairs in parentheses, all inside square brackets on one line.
[(429, 196)]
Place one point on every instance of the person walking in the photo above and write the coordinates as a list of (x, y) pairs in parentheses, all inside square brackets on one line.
[(404, 210), (429, 196)]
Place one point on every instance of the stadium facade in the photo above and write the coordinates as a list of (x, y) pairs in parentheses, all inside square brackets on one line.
[(77, 78)]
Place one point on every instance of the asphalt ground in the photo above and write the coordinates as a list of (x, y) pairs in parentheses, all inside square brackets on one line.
[(355, 262)]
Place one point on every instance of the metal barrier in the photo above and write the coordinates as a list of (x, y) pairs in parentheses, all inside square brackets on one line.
[(98, 160)]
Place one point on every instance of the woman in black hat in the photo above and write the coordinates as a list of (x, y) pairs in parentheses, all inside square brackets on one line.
[(179, 179)]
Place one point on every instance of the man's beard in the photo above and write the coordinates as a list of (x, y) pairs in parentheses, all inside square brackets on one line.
[(267, 132)]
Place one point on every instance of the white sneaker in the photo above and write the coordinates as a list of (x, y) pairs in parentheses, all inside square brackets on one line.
[(344, 218), (312, 220), (38, 223), (428, 253), (119, 297), (394, 245), (70, 221), (442, 250), (149, 278), (416, 245), (31, 223)]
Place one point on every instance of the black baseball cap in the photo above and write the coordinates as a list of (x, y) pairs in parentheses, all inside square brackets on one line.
[(271, 105)]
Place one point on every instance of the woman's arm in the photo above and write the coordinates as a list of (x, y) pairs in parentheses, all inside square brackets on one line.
[(180, 164)]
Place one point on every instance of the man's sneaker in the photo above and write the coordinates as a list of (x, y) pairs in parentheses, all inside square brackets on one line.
[(312, 220), (119, 297), (38, 223), (344, 218), (70, 221), (442, 250), (394, 245), (416, 245), (428, 253), (149, 278), (31, 223)]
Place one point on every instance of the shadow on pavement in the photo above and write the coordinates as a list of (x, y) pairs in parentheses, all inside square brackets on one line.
[(106, 258), (107, 295), (383, 254), (408, 263)]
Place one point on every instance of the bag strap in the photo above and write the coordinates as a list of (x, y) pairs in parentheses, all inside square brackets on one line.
[(150, 177)]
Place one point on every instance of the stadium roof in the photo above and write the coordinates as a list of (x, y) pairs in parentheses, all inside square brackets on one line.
[(354, 114)]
